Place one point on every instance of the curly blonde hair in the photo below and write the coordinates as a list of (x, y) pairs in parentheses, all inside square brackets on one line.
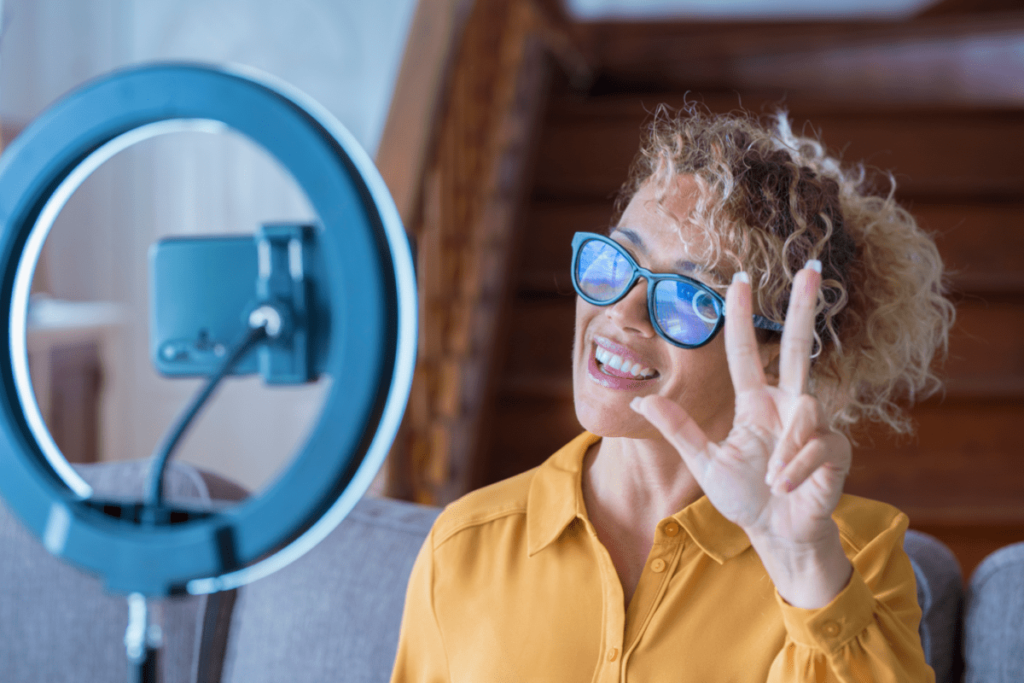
[(769, 200)]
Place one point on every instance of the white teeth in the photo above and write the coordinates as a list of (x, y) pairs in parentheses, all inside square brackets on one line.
[(609, 359)]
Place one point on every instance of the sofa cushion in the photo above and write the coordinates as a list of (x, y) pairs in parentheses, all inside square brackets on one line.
[(60, 625), (940, 593), (993, 637), (335, 613)]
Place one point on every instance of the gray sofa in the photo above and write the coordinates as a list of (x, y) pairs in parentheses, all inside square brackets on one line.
[(335, 613)]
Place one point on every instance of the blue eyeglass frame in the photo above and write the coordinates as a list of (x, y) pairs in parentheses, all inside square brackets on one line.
[(581, 238)]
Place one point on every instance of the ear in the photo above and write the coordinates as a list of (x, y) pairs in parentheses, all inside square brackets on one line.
[(770, 352)]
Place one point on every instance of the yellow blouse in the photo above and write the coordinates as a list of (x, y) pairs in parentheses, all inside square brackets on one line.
[(512, 584)]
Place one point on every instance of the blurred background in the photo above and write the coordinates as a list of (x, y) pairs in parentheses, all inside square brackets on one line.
[(502, 127)]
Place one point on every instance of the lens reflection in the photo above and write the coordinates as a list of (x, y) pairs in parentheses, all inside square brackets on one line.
[(685, 312), (602, 272)]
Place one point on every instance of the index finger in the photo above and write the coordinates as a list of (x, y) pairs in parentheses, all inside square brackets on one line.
[(798, 330), (740, 342)]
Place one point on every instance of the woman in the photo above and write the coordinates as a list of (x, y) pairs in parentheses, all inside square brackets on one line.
[(697, 530)]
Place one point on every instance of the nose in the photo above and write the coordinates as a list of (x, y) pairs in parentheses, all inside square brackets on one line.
[(630, 312)]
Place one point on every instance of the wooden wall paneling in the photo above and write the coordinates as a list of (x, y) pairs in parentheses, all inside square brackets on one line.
[(471, 187), (527, 431), (961, 462), (958, 477), (982, 244)]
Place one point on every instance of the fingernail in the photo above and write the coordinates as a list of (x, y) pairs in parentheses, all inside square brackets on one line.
[(814, 264), (635, 404), (769, 475), (741, 276)]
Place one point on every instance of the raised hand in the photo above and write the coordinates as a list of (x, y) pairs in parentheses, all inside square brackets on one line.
[(779, 473)]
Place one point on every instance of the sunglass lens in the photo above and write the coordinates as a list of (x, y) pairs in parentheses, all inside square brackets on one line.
[(685, 313), (602, 272)]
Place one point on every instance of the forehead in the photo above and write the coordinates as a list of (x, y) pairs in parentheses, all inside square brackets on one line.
[(657, 222)]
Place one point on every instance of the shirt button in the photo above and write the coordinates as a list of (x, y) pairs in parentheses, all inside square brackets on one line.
[(830, 629), (613, 654), (671, 529), (658, 565)]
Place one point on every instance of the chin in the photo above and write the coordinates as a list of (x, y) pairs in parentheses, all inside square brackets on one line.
[(611, 421)]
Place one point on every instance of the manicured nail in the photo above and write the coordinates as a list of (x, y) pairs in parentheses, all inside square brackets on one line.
[(635, 404), (814, 264), (740, 276), (769, 475)]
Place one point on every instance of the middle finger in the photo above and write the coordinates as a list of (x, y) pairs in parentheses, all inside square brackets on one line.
[(798, 331)]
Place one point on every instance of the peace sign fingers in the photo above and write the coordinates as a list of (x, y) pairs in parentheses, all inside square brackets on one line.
[(798, 332), (741, 347)]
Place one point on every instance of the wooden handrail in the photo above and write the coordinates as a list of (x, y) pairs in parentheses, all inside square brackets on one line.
[(410, 131), (455, 153)]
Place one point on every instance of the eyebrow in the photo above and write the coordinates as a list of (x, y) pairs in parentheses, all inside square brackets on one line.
[(682, 265)]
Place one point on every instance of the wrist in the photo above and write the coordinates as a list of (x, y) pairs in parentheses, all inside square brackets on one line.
[(807, 575)]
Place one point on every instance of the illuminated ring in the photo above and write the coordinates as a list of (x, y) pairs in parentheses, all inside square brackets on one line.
[(696, 308), (371, 295)]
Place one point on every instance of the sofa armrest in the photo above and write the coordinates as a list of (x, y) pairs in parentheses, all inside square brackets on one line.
[(993, 637)]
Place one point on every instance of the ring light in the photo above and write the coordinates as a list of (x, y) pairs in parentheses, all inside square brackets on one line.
[(371, 293)]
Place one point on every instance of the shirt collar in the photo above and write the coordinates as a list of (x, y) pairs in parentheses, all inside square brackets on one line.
[(556, 499)]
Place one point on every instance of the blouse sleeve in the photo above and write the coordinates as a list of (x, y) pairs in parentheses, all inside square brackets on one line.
[(869, 632), (421, 654)]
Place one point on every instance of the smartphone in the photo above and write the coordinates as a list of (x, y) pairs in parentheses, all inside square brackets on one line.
[(203, 288)]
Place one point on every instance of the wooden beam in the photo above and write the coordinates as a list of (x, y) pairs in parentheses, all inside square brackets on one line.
[(411, 128)]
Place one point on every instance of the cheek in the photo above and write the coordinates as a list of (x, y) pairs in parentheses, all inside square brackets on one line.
[(702, 383)]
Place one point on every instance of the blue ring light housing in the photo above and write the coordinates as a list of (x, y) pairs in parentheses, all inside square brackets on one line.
[(372, 300)]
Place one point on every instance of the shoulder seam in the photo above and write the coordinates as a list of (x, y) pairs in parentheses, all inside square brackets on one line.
[(462, 525)]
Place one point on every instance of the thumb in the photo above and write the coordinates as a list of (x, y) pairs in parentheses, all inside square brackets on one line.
[(678, 428)]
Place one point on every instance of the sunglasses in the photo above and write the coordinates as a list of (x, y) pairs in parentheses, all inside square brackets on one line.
[(684, 311)]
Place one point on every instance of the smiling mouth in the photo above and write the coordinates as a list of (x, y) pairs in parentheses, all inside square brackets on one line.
[(614, 366)]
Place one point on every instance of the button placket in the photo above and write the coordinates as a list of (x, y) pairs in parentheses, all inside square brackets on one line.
[(671, 531), (669, 541)]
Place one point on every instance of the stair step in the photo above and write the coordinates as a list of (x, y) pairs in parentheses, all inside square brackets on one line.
[(587, 155)]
